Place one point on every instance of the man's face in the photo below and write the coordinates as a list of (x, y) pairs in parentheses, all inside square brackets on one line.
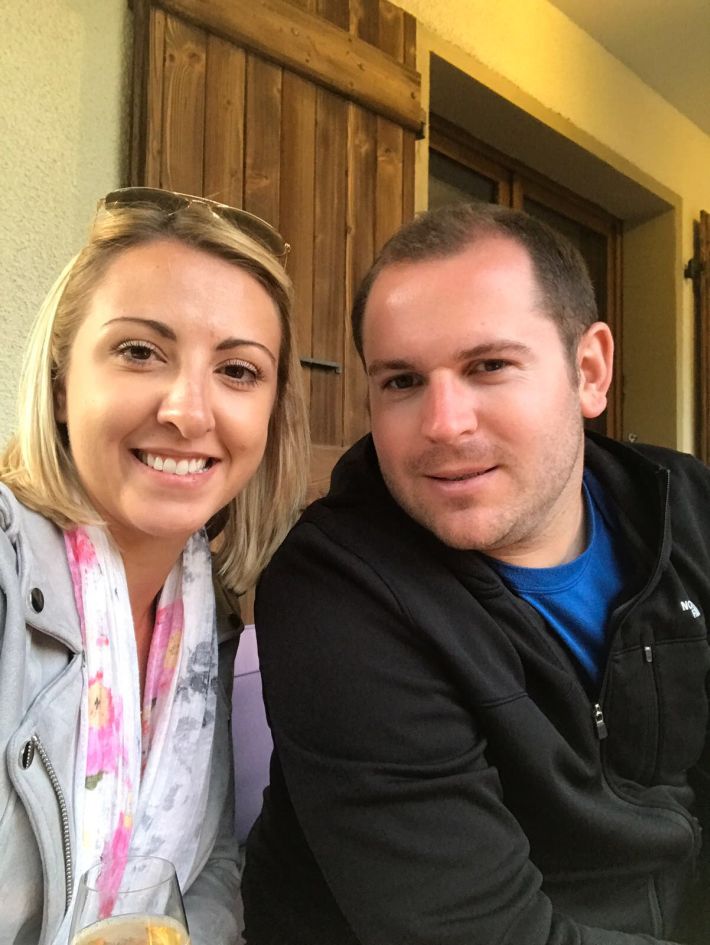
[(476, 413)]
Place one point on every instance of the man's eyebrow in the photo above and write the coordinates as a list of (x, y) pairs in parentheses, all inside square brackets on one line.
[(377, 367), (492, 348), (165, 331), (488, 349)]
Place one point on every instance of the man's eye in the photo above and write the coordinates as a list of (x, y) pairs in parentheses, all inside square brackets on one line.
[(491, 365), (400, 382)]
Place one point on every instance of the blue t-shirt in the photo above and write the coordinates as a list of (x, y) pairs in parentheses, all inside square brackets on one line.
[(577, 598)]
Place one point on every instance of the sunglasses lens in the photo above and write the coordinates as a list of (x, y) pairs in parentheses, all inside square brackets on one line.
[(258, 230), (135, 196), (171, 202)]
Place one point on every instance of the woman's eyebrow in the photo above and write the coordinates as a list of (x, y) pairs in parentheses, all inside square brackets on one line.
[(165, 331), (244, 342), (160, 327)]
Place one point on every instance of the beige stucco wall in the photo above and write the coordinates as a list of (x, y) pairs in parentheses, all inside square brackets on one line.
[(533, 55), (62, 128)]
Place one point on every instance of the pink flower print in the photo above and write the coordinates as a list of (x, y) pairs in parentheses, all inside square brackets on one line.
[(83, 549), (163, 661), (104, 732), (164, 652), (113, 864), (81, 558)]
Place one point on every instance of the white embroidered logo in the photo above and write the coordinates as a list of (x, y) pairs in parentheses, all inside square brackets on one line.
[(689, 605)]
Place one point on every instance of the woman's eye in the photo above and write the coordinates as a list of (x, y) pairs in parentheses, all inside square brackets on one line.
[(137, 351), (241, 372)]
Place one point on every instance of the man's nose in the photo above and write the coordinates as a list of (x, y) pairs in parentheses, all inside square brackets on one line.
[(186, 405), (449, 410)]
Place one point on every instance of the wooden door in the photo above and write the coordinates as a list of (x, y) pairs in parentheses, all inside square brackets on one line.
[(305, 113), (699, 270)]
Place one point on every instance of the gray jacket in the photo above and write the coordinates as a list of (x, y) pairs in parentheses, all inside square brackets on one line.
[(40, 690)]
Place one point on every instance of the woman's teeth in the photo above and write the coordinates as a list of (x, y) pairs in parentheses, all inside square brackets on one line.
[(179, 467)]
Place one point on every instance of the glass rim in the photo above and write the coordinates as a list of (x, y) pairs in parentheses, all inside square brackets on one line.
[(94, 871)]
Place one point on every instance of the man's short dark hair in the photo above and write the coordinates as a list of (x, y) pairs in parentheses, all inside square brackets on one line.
[(566, 293)]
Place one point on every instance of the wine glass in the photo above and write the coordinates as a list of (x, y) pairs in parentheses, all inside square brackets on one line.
[(133, 901)]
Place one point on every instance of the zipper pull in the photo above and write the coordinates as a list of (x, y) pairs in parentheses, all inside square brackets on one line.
[(599, 722), (648, 654)]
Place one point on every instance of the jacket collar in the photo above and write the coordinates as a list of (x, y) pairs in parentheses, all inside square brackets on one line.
[(42, 567)]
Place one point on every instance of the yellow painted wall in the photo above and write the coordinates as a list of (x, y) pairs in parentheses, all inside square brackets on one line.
[(63, 89), (533, 55)]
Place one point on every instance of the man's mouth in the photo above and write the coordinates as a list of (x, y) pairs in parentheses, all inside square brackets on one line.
[(184, 466), (459, 476)]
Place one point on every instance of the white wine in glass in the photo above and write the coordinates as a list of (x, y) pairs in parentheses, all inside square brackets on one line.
[(144, 908)]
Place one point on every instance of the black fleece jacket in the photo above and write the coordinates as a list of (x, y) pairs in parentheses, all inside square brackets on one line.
[(441, 776)]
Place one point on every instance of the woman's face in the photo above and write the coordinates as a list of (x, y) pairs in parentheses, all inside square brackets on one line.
[(171, 381)]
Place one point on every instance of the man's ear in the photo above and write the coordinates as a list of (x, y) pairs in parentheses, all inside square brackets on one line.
[(595, 363), (60, 402)]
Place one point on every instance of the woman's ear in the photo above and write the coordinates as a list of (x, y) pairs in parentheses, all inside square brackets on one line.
[(60, 402), (595, 363)]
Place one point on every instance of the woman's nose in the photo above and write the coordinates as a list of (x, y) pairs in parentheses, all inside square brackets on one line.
[(186, 405)]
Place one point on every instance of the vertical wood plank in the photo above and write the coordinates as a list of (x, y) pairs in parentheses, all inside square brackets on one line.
[(154, 106), (224, 122), (701, 288), (615, 309), (408, 137), (390, 140), (183, 107), (139, 92), (329, 272), (409, 57), (296, 217), (360, 244), (335, 11), (392, 30), (263, 139), (362, 161), (365, 20)]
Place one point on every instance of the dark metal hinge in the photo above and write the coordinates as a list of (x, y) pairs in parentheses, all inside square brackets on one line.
[(694, 267), (322, 365)]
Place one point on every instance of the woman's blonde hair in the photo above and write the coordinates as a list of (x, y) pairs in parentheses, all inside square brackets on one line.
[(37, 463)]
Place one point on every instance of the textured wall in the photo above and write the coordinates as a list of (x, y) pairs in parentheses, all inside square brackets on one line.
[(63, 81)]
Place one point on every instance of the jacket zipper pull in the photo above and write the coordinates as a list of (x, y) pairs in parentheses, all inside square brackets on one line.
[(599, 722), (648, 654)]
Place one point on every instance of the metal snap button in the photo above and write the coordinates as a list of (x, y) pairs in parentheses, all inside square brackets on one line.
[(37, 600), (27, 754)]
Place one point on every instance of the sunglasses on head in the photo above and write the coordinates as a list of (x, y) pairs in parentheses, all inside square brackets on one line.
[(171, 202)]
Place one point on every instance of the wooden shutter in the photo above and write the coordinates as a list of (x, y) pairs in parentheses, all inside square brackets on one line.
[(302, 112), (699, 270)]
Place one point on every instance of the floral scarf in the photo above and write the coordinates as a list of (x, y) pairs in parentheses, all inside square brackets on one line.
[(142, 772)]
